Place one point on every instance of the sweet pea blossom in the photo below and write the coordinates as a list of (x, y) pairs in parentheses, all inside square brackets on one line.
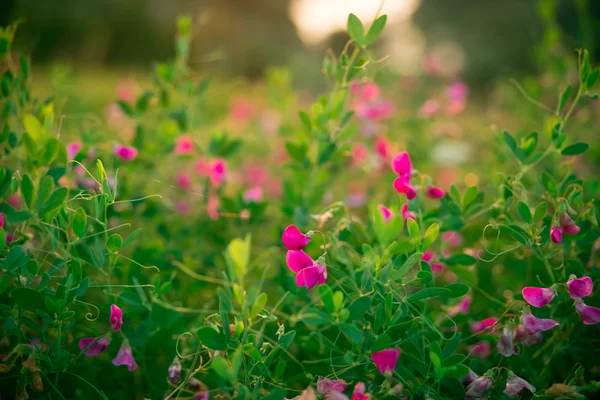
[(568, 226), (382, 147), (527, 338), (515, 385), (469, 378), (184, 145), (556, 235), (479, 387), (461, 308), (506, 344), (385, 360), (428, 256), (183, 181), (125, 357), (403, 186), (407, 214), (297, 260), (293, 239), (200, 396), (580, 287), (429, 108), (96, 348), (254, 194), (376, 111), (311, 276), (434, 192), (385, 212), (483, 324), (401, 164), (538, 297), (116, 317), (481, 349), (359, 392), (202, 167), (126, 153), (175, 372), (218, 171), (325, 385), (534, 325), (589, 315), (359, 154), (72, 149)]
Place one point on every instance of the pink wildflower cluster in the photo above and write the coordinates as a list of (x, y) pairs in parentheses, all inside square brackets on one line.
[(368, 103), (308, 272), (402, 166), (566, 227)]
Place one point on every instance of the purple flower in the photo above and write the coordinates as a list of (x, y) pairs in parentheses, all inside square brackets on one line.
[(479, 387), (385, 360), (403, 186), (126, 153), (1, 221), (175, 372), (325, 385), (481, 349), (589, 315), (434, 192), (538, 297), (200, 396), (96, 348), (580, 287), (293, 239), (556, 235), (515, 385), (311, 276), (401, 164), (469, 378), (297, 260), (385, 212), (506, 345), (116, 317), (535, 325), (72, 149), (570, 230), (527, 338), (124, 357)]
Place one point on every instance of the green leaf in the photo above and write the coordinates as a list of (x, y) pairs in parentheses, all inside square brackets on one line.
[(356, 31), (510, 142), (413, 229), (297, 152), (114, 242), (125, 107), (44, 191), (222, 368), (28, 299), (258, 305), (57, 198), (428, 293), (132, 236), (575, 149), (460, 259), (305, 121), (27, 189), (406, 266), (239, 252), (524, 211), (376, 29), (50, 151), (540, 212), (564, 97), (33, 267), (359, 307), (469, 195), (353, 332), (592, 78), (212, 339), (326, 295), (548, 183), (431, 235), (457, 289), (34, 127), (252, 352), (79, 222)]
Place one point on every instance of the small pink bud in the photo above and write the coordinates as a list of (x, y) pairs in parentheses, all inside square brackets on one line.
[(461, 308), (382, 147), (325, 385), (184, 181), (293, 239), (580, 287), (515, 385), (96, 348), (184, 145), (1, 221), (457, 91), (116, 317), (385, 212), (556, 235), (401, 164), (589, 315), (570, 230), (407, 214), (126, 153), (202, 167), (483, 324), (311, 276), (538, 297), (72, 149), (437, 268), (535, 325), (218, 171), (565, 220), (385, 360), (428, 256), (403, 186), (434, 192), (297, 260), (125, 357), (430, 108)]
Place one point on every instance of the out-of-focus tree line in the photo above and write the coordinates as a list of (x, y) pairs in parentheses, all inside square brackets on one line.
[(245, 36)]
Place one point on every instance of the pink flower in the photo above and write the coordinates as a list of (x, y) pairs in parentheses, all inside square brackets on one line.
[(481, 349), (506, 344), (126, 91), (359, 154), (382, 147), (434, 192), (96, 348), (184, 181), (116, 317), (218, 170), (538, 297), (589, 315), (365, 91), (515, 385), (428, 255), (293, 239), (455, 107), (407, 214), (479, 387), (430, 108), (1, 221), (184, 145), (242, 110), (254, 194), (454, 238), (385, 360), (325, 385), (174, 372), (126, 153), (182, 207), (125, 357), (556, 234), (461, 308), (457, 91), (297, 260), (403, 186), (202, 167), (527, 338), (535, 325), (385, 212), (377, 111), (212, 207), (469, 378), (580, 287), (437, 268), (72, 149), (14, 201), (311, 276), (483, 324), (200, 396), (570, 230), (401, 164)]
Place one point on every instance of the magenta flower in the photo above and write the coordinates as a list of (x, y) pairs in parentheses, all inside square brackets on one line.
[(506, 344), (481, 349), (455, 107), (570, 230), (437, 268), (479, 387), (218, 171), (407, 214), (200, 396), (116, 317), (457, 91), (580, 287), (183, 181), (72, 149), (1, 221), (483, 324), (556, 235), (126, 153), (375, 112), (401, 164), (297, 260), (515, 385), (434, 192), (359, 154), (385, 212), (538, 297), (293, 239), (125, 357), (527, 338), (589, 315), (254, 194), (212, 207), (382, 147), (453, 238), (96, 348), (184, 145), (325, 385), (385, 360), (311, 276), (14, 201), (403, 186), (202, 167), (535, 325), (428, 256), (461, 308), (430, 108)]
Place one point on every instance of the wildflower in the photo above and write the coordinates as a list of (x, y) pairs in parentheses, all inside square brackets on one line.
[(382, 147), (72, 149), (183, 181), (125, 357), (14, 201), (469, 378), (116, 317), (377, 111), (126, 153), (401, 164), (506, 345), (242, 110), (403, 186), (200, 396), (325, 385), (311, 276), (568, 226), (212, 207), (580, 287), (254, 194), (293, 239), (407, 214), (1, 221), (535, 325), (455, 107), (481, 349), (479, 387), (556, 235), (175, 372), (527, 338), (202, 167), (515, 385), (297, 260), (428, 256), (434, 192), (457, 91), (98, 347), (218, 170), (359, 392), (184, 145), (461, 308), (359, 154), (429, 108), (589, 315), (385, 212), (182, 207), (437, 268), (538, 297), (483, 324), (385, 360)]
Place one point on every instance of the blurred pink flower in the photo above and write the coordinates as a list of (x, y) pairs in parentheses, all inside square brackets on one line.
[(297, 260), (406, 214), (1, 221), (455, 107), (457, 91), (589, 315), (242, 110), (311, 276), (72, 149), (183, 180), (125, 357), (325, 385), (254, 194), (126, 91), (218, 171), (385, 212), (429, 108), (479, 388), (116, 317), (482, 325), (556, 235), (368, 91), (256, 175), (377, 111), (182, 207), (14, 201), (428, 255), (434, 192), (359, 154), (184, 145), (202, 167), (401, 164), (212, 207), (126, 153), (481, 349), (515, 385), (461, 308), (96, 348), (386, 360)]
